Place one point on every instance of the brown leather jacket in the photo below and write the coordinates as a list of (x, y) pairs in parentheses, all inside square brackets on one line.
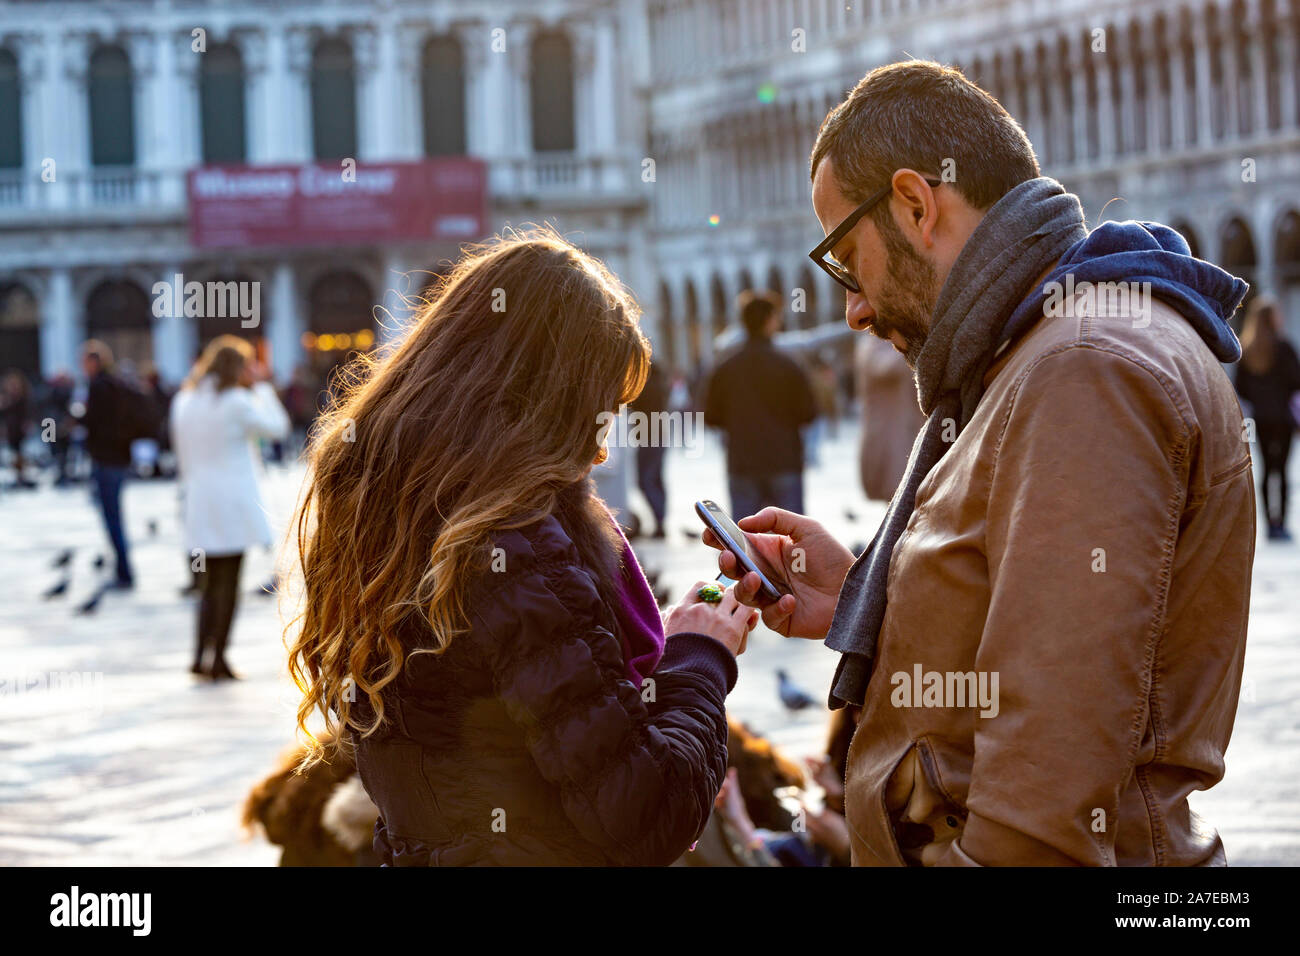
[(1082, 554)]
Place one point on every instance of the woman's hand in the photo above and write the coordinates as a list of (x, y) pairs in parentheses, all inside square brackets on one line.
[(795, 550), (728, 622)]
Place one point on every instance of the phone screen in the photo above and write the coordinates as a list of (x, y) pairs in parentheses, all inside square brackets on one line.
[(735, 541)]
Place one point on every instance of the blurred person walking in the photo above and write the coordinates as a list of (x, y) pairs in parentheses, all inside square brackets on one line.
[(475, 625), (221, 412), (57, 404), (16, 410), (760, 398), (890, 415), (108, 419), (1268, 378), (653, 400)]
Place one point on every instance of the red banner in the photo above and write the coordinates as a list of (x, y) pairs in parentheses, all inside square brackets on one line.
[(326, 203)]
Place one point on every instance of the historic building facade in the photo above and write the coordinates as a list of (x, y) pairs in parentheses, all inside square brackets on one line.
[(669, 137), (107, 106), (1182, 111)]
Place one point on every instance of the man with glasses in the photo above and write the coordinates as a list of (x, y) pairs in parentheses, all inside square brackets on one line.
[(1045, 639)]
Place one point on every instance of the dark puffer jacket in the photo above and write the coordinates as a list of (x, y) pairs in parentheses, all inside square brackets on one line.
[(526, 744)]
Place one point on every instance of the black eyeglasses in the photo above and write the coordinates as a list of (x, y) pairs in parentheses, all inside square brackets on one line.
[(822, 254)]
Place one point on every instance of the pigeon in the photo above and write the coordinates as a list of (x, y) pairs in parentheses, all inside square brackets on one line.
[(63, 560), (270, 587), (92, 605), (99, 561), (153, 528), (850, 514), (58, 590), (791, 696)]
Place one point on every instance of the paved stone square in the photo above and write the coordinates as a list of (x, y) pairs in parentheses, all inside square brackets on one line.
[(112, 754)]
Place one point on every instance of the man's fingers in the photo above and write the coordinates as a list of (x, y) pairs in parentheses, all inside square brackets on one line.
[(777, 616), (728, 564), (709, 538), (772, 521)]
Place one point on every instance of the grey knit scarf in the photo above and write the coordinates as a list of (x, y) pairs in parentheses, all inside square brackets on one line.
[(1026, 231)]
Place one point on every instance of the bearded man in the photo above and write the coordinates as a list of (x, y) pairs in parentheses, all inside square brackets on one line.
[(1075, 529)]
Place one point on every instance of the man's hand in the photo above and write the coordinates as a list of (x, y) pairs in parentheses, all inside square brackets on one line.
[(798, 552)]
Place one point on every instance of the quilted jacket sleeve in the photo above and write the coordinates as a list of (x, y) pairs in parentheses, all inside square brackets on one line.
[(637, 768)]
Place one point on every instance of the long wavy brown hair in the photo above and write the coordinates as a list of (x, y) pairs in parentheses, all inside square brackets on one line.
[(479, 421)]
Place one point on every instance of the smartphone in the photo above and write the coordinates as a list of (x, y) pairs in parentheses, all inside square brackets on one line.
[(733, 539)]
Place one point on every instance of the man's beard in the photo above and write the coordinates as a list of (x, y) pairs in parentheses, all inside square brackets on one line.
[(907, 304)]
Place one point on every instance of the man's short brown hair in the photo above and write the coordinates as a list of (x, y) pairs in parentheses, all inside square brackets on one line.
[(915, 115), (756, 308)]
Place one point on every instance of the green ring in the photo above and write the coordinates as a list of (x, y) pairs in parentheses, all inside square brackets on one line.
[(710, 594)]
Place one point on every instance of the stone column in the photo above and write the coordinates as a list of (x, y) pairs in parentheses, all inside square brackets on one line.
[(1259, 77), (1156, 107), (292, 106), (1227, 39), (175, 337), (1180, 135), (264, 61), (1105, 108), (397, 291), (72, 122), (60, 325), (482, 122), (1287, 67), (286, 322), (150, 132), (180, 69), (518, 94), (1201, 40), (36, 78), (1128, 99), (1079, 105), (406, 96)]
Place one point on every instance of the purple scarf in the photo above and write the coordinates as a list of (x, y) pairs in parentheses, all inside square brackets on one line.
[(640, 628)]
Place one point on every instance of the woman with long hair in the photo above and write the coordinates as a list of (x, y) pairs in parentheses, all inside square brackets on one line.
[(217, 419), (1268, 376), (476, 631)]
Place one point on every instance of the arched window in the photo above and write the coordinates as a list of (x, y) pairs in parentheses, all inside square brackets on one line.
[(20, 333), (1287, 259), (212, 323), (112, 108), (333, 101), (692, 309), (221, 104), (667, 355), (442, 82), (1238, 254), (1187, 232), (340, 320), (717, 305), (11, 113), (551, 92), (119, 314)]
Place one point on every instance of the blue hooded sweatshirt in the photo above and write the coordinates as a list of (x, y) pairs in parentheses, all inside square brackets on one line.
[(1133, 251)]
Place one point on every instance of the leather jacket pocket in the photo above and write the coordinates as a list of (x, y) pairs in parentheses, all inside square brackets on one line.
[(922, 815)]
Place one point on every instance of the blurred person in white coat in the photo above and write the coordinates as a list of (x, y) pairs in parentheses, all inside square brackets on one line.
[(225, 406)]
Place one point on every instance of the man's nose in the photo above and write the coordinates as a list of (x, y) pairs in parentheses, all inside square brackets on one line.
[(858, 312)]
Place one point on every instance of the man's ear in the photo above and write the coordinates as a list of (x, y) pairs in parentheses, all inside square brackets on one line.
[(914, 198)]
